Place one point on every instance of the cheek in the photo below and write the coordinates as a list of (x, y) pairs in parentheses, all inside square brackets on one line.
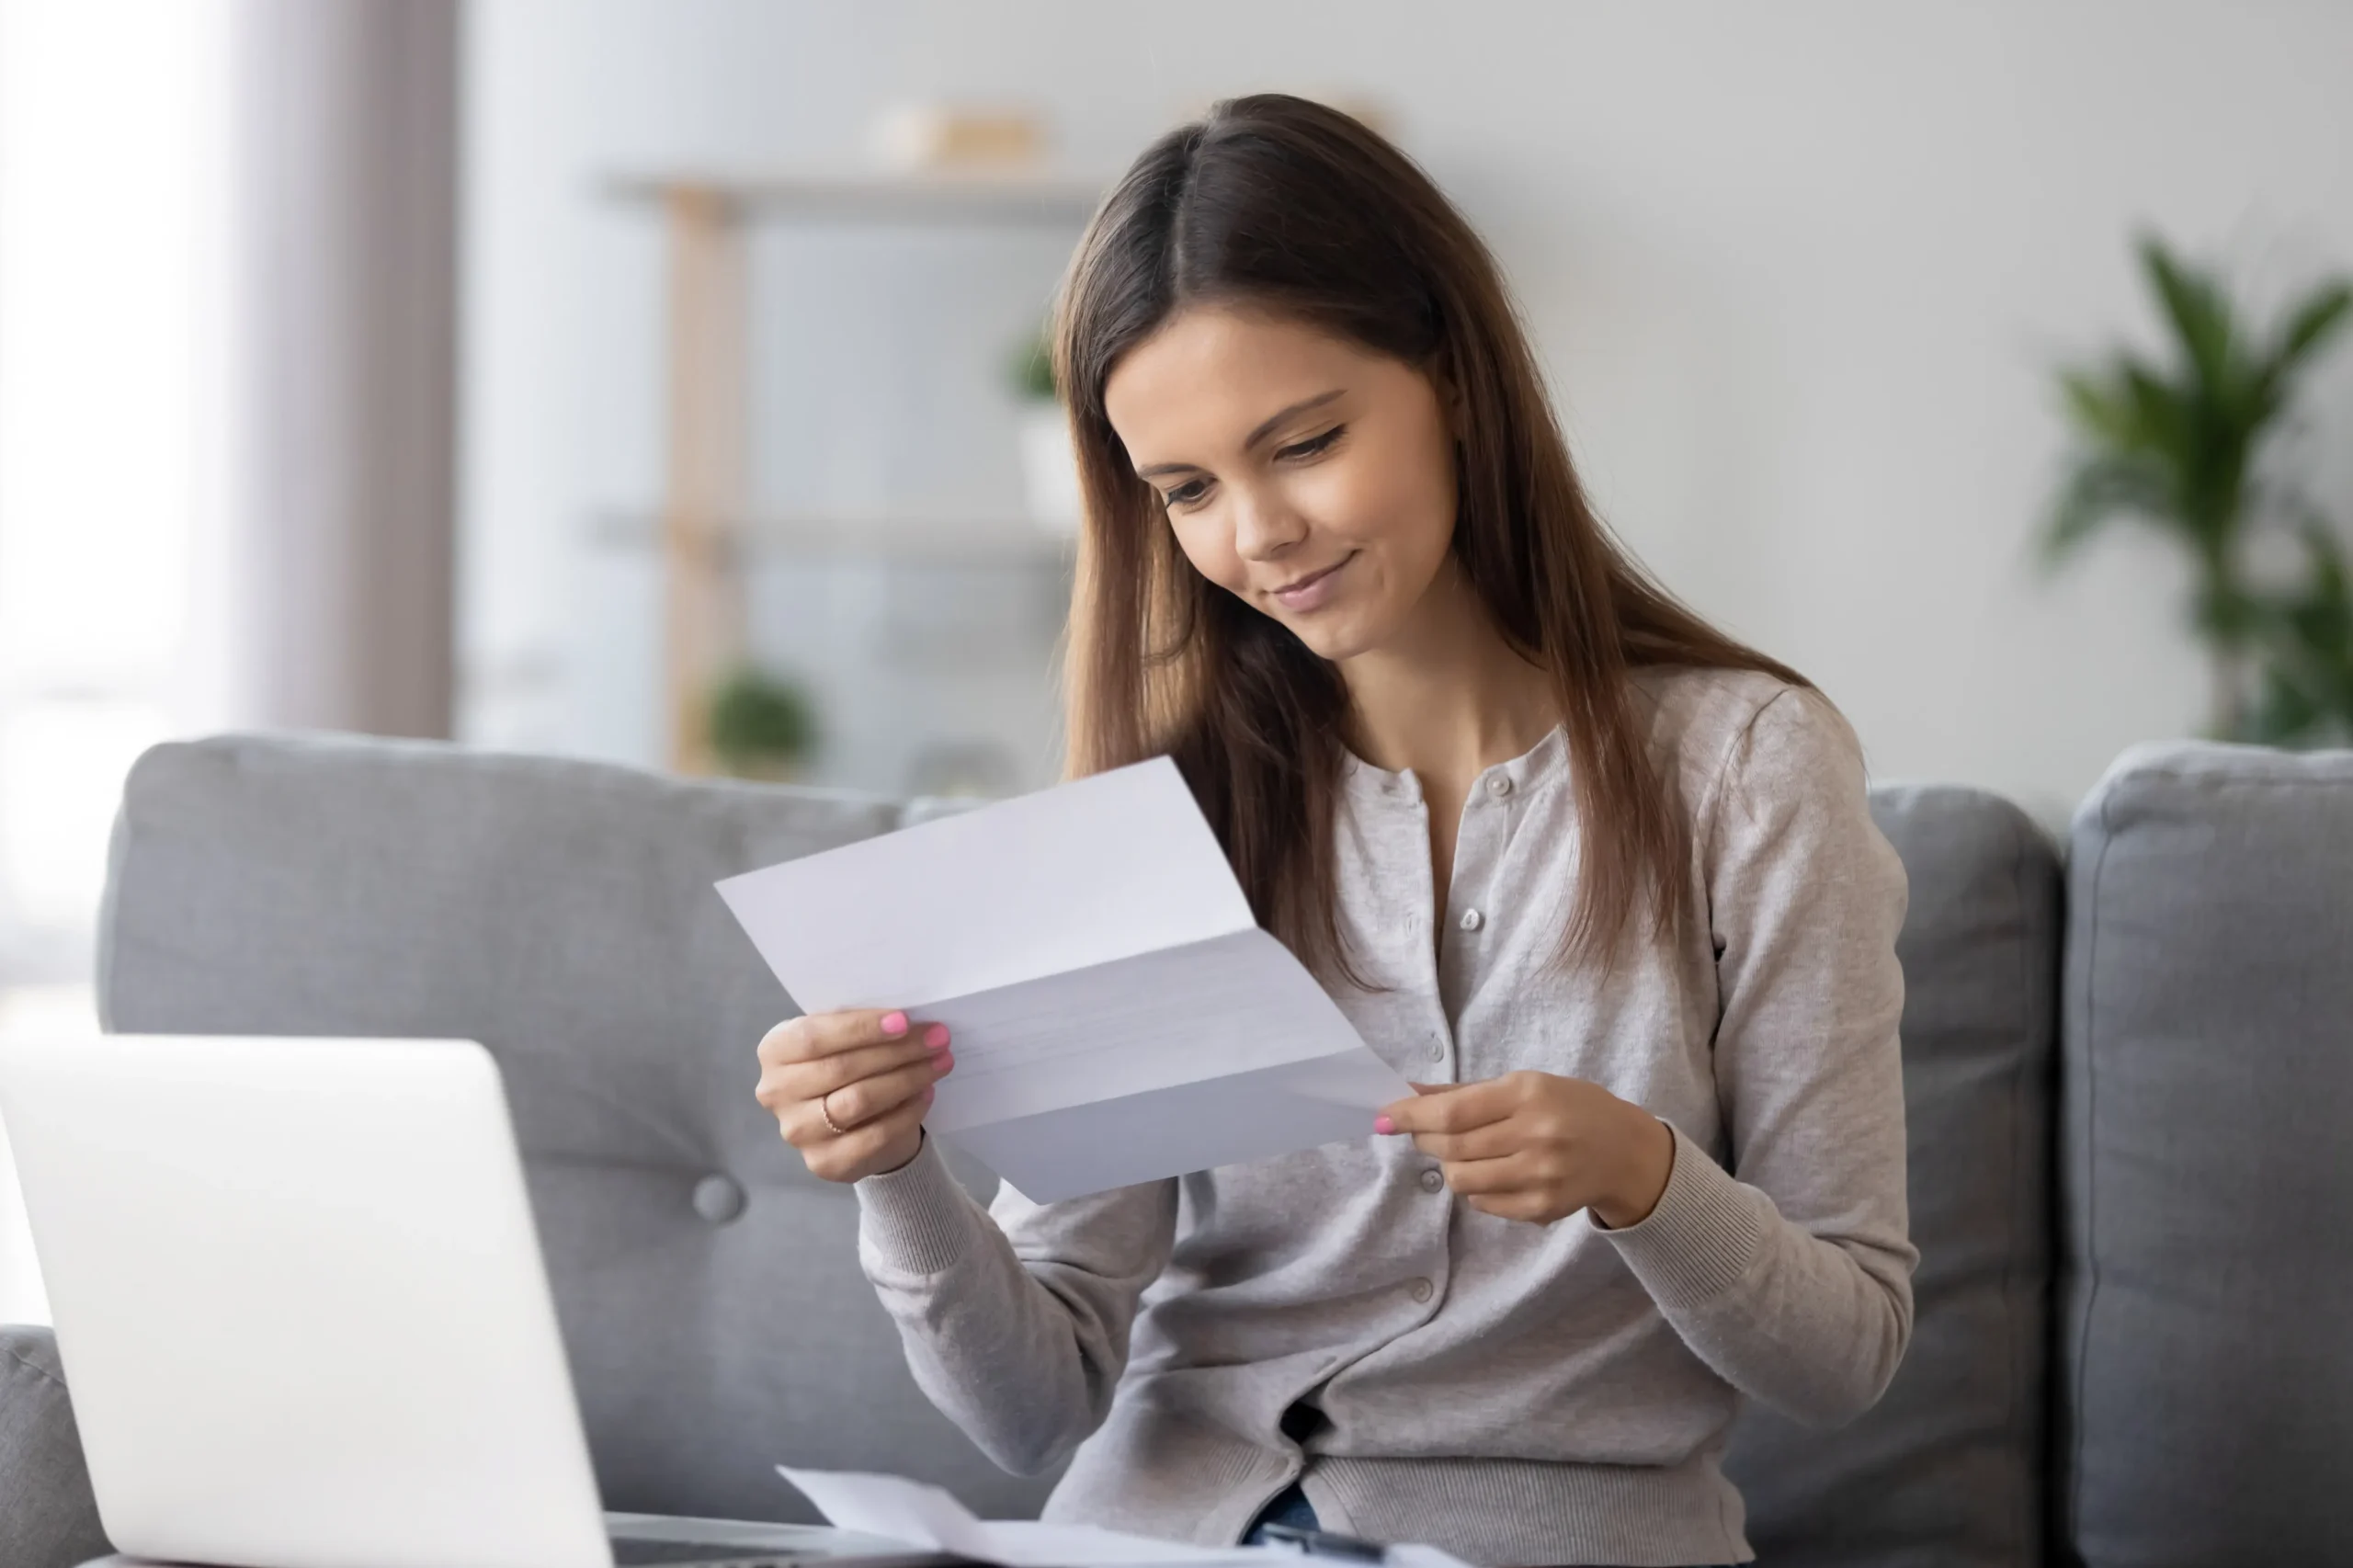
[(1402, 509), (1208, 545)]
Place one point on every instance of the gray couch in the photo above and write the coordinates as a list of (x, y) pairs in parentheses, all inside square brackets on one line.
[(2130, 1078)]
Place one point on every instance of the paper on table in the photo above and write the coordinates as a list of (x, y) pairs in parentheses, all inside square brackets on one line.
[(1117, 1014), (1420, 1557), (898, 1509)]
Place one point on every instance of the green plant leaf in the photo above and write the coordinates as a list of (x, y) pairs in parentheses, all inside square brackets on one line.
[(2314, 321), (2103, 486), (756, 718), (1029, 369), (2282, 715), (2306, 638), (2195, 304), (2098, 412), (2172, 442), (2309, 326)]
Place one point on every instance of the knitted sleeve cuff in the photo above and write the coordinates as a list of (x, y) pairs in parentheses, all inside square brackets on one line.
[(918, 1219), (1704, 1237)]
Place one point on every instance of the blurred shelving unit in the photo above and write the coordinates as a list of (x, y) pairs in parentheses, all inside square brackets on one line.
[(703, 529), (919, 539)]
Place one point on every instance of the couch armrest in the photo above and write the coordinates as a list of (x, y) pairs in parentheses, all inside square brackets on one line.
[(48, 1518)]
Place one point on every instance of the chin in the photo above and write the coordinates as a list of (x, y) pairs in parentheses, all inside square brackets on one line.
[(1333, 639)]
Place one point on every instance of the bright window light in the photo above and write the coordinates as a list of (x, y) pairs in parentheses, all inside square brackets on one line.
[(112, 190)]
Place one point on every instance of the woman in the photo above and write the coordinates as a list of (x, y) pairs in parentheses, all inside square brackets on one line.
[(1601, 881)]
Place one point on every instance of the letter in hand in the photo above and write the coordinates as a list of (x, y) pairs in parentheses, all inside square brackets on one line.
[(850, 1089), (1539, 1147)]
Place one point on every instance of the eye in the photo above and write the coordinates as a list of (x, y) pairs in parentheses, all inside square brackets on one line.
[(1188, 493), (1314, 446)]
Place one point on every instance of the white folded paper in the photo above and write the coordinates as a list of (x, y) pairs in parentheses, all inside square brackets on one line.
[(895, 1509), (1116, 1014)]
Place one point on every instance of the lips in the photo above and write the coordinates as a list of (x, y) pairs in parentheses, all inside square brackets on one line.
[(1315, 589)]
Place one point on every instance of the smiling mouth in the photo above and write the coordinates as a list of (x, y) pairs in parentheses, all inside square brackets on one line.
[(1299, 588)]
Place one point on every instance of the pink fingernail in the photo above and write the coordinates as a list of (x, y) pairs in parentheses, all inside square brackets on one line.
[(1382, 1124), (943, 1062), (895, 1023), (936, 1037)]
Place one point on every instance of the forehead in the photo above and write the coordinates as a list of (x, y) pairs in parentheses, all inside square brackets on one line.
[(1211, 373)]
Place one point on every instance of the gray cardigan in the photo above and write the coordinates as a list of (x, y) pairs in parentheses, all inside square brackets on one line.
[(1514, 1393)]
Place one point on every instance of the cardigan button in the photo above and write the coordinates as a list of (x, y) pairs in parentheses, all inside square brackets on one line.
[(1433, 1181), (1421, 1289), (1472, 920), (1499, 785)]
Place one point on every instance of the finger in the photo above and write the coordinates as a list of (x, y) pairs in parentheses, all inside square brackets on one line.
[(1494, 1140), (1488, 1178), (808, 1080), (1458, 1110), (857, 1104), (829, 1034), (851, 1155)]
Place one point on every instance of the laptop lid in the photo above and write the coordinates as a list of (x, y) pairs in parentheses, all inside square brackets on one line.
[(300, 1297)]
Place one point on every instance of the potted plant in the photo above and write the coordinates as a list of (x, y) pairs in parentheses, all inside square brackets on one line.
[(1049, 467), (762, 725), (2306, 697), (2179, 444)]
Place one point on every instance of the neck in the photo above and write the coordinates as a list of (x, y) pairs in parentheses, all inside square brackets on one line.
[(1448, 697)]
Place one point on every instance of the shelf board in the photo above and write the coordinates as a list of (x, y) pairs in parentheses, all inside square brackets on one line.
[(900, 540), (977, 197)]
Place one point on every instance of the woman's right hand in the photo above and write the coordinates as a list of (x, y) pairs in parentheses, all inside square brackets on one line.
[(849, 1090)]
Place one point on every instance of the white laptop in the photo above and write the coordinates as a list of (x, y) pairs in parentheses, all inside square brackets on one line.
[(300, 1304)]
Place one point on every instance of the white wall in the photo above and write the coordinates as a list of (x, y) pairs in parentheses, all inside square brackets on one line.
[(1799, 272)]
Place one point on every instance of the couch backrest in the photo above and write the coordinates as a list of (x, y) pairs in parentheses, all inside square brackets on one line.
[(561, 914), (1948, 1469), (2207, 1172)]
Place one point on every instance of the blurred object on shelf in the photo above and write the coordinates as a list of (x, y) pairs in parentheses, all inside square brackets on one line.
[(762, 725), (703, 481), (1032, 366), (968, 769), (961, 137), (704, 533), (907, 537), (1049, 464), (2186, 446)]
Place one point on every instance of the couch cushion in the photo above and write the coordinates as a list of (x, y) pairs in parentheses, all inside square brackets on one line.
[(2207, 1368), (1948, 1468), (563, 915), (48, 1518)]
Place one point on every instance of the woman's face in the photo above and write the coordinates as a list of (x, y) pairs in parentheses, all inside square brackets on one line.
[(1310, 478)]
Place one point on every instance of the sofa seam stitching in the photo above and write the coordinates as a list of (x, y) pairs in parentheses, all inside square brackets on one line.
[(2021, 841), (2090, 1178), (37, 1370)]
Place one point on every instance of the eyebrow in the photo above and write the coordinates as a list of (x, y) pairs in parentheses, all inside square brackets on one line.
[(1265, 428)]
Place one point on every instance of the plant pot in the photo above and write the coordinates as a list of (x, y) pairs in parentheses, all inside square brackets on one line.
[(1049, 469), (769, 769)]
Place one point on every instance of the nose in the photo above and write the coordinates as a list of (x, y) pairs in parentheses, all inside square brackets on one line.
[(1263, 527)]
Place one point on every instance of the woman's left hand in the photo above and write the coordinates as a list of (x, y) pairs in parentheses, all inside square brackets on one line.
[(1536, 1147)]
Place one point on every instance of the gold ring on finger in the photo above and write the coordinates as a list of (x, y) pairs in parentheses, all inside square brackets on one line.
[(826, 1111)]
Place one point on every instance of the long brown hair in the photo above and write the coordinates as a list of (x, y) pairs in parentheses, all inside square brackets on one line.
[(1287, 206)]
